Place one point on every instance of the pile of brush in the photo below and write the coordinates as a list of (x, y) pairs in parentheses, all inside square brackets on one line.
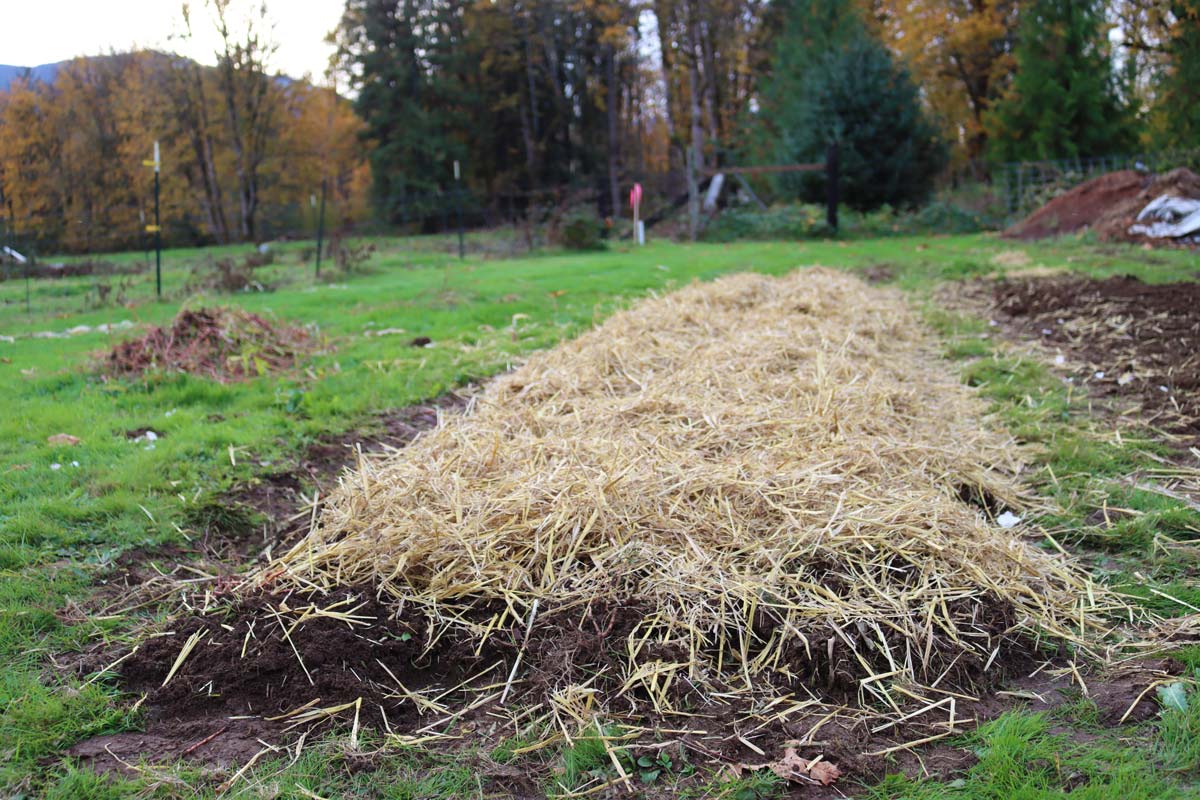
[(746, 491), (222, 343)]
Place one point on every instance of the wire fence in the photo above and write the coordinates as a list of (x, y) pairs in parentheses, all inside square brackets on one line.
[(1029, 185), (124, 228), (48, 267)]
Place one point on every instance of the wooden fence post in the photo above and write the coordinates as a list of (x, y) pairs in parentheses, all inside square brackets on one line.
[(831, 185), (693, 184)]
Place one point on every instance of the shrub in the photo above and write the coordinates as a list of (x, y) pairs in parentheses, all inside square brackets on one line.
[(582, 230)]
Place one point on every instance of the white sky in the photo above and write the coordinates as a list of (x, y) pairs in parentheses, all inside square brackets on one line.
[(36, 32)]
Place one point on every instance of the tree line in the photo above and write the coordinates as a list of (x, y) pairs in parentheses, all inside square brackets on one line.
[(243, 149), (558, 102)]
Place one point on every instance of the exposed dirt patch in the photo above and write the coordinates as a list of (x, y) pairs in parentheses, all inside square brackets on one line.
[(224, 344), (876, 274), (281, 501), (245, 680), (1122, 697), (1107, 205), (140, 433), (1137, 343), (212, 743)]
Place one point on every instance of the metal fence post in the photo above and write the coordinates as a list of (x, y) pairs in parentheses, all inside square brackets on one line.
[(29, 262)]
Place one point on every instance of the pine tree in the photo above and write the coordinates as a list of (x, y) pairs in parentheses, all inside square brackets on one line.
[(831, 81), (1063, 100)]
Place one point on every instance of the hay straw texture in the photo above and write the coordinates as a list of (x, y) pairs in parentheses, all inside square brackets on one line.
[(768, 470)]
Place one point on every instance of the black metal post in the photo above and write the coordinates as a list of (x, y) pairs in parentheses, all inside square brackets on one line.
[(831, 185), (321, 226), (157, 235), (29, 262)]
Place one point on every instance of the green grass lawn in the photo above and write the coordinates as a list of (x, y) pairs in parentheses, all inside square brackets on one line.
[(68, 512)]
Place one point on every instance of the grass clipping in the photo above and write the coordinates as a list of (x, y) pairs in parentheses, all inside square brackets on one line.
[(766, 472)]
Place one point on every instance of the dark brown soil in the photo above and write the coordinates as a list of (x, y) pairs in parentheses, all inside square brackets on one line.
[(278, 498), (1107, 205), (246, 680), (224, 344), (137, 433), (1137, 342), (876, 274)]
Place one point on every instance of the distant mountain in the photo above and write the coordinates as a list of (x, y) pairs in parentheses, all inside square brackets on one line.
[(46, 73), (42, 72)]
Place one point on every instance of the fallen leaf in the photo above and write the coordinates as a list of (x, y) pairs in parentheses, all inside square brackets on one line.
[(824, 772), (63, 438), (793, 767)]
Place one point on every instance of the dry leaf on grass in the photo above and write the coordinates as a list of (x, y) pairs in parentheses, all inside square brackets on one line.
[(63, 438)]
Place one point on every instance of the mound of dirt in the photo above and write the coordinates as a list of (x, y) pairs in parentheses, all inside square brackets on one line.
[(1137, 341), (225, 344), (1108, 205)]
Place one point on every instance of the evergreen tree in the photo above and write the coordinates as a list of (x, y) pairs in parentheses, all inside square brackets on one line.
[(1063, 100), (831, 81), (410, 96), (1176, 114)]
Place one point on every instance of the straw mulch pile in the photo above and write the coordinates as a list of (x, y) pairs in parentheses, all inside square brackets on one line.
[(748, 489)]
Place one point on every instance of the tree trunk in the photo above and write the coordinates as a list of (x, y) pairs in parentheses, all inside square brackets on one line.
[(697, 148), (662, 14), (611, 103)]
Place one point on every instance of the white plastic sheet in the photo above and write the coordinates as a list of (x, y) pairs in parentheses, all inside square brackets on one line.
[(1168, 217)]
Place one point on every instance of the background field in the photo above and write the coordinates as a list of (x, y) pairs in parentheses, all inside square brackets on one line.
[(72, 516)]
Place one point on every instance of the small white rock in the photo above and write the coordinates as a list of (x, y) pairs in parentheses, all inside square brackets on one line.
[(56, 466), (1007, 520)]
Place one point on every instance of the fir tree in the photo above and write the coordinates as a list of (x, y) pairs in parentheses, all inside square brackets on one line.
[(1063, 100), (831, 81), (410, 96)]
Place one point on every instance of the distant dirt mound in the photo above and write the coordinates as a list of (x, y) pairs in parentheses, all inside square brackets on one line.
[(225, 344), (1107, 205)]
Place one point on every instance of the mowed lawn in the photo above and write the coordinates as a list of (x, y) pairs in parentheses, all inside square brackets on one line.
[(67, 513)]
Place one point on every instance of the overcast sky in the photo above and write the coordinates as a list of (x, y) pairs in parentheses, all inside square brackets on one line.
[(36, 32)]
